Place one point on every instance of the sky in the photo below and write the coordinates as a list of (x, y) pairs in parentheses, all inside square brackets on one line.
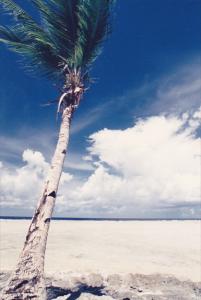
[(135, 139)]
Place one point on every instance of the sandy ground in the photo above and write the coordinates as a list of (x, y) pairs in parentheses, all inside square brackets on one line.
[(120, 287), (107, 247), (113, 260)]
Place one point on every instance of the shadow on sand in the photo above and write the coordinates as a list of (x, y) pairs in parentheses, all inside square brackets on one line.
[(54, 292)]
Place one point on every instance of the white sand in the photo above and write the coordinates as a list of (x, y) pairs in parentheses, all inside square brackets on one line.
[(146, 247)]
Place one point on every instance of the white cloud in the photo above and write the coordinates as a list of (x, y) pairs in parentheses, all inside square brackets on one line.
[(12, 146), (150, 169), (89, 117), (152, 165), (45, 141), (22, 186), (180, 91), (143, 170), (76, 162), (176, 92)]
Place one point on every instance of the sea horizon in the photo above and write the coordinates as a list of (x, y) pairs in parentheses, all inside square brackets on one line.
[(100, 218)]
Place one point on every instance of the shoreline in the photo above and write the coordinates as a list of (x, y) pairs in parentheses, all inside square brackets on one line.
[(100, 219)]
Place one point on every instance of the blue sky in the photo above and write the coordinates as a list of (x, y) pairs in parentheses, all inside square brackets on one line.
[(149, 68)]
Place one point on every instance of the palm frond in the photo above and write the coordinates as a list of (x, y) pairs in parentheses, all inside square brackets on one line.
[(24, 22), (16, 11), (6, 34), (36, 55), (93, 28), (69, 36), (30, 40), (60, 21)]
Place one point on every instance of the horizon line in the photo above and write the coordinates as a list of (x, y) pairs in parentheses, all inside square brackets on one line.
[(101, 218)]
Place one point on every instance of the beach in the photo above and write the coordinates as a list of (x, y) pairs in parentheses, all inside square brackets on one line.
[(113, 251)]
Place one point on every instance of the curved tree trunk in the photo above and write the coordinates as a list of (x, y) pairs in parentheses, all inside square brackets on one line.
[(27, 281)]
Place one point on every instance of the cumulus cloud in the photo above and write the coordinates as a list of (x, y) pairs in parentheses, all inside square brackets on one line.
[(13, 146), (22, 186), (151, 169), (153, 165)]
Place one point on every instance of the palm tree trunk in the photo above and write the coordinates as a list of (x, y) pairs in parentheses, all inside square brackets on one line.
[(27, 281)]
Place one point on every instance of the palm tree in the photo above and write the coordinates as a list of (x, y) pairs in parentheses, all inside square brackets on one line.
[(62, 45)]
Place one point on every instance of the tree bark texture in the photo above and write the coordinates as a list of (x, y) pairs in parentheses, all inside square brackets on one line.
[(27, 281)]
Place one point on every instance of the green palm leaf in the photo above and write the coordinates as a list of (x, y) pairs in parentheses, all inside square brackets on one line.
[(93, 28), (71, 33)]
